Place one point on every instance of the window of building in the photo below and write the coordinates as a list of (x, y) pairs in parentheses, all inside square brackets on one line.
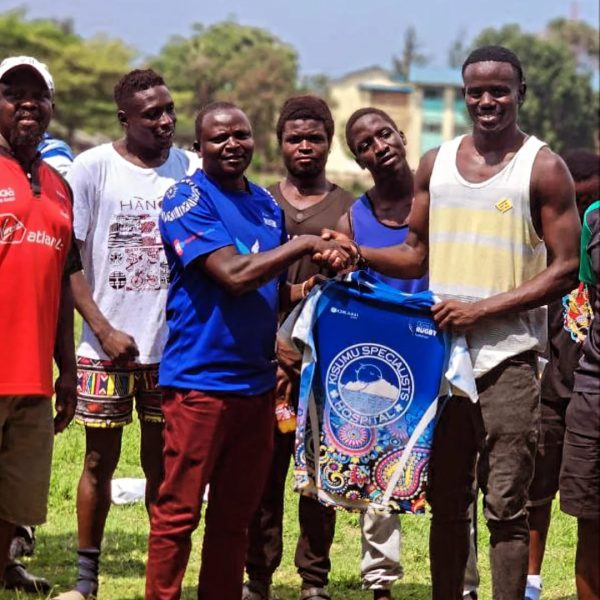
[(432, 127), (431, 93)]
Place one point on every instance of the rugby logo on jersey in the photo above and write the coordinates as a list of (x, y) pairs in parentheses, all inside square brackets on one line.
[(422, 329), (369, 385)]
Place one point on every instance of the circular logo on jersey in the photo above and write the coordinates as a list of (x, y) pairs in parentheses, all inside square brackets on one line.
[(369, 385)]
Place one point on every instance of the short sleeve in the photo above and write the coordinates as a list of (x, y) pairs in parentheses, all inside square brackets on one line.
[(189, 223), (80, 180), (73, 261)]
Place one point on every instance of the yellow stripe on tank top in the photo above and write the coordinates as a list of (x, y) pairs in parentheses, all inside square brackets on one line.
[(502, 264), (509, 226)]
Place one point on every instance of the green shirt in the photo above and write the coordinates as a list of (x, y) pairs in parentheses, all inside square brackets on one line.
[(586, 270)]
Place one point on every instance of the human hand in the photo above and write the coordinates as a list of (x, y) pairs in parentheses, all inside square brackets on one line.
[(460, 316), (310, 283), (332, 253), (289, 363), (283, 386), (118, 345), (65, 388), (347, 243)]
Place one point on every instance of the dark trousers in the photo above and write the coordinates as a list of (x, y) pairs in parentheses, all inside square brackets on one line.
[(226, 441), (317, 527), (502, 428)]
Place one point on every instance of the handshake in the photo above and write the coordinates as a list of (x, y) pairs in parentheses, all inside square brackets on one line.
[(335, 250)]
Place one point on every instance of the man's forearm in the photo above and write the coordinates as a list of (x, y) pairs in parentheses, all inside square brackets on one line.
[(552, 283), (241, 273), (87, 307), (400, 261)]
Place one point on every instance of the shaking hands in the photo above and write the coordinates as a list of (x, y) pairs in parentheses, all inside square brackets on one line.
[(335, 250)]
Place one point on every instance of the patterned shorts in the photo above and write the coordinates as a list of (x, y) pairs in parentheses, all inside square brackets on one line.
[(106, 392)]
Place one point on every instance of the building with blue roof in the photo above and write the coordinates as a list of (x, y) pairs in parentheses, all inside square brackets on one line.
[(428, 107)]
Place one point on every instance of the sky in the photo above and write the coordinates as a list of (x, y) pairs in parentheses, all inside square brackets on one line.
[(331, 36)]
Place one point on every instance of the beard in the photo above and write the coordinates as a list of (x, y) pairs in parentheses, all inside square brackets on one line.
[(307, 171), (27, 139), (26, 136)]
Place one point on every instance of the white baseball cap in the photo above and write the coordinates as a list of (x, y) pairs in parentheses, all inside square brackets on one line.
[(14, 62)]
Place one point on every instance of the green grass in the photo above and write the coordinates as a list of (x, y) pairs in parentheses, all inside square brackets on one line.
[(124, 550)]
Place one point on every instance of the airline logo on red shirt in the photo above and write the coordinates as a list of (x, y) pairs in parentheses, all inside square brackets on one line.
[(12, 231)]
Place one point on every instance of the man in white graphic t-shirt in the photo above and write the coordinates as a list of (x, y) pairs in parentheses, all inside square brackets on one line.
[(121, 294)]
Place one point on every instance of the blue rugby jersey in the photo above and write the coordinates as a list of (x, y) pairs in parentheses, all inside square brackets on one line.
[(373, 367)]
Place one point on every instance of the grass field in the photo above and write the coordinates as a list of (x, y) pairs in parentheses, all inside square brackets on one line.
[(122, 568), (124, 550)]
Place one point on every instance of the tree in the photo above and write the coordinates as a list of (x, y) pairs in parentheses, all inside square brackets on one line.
[(227, 61), (411, 55), (580, 37), (84, 71), (457, 53), (560, 107), (42, 38), (316, 84)]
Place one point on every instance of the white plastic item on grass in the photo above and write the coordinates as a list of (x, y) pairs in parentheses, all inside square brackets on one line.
[(127, 490)]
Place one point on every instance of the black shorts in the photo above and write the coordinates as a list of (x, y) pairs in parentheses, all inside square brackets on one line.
[(548, 458), (580, 473)]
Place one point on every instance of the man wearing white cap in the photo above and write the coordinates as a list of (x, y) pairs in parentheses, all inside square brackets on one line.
[(37, 323)]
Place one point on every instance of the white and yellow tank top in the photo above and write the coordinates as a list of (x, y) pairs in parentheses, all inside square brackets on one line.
[(482, 242)]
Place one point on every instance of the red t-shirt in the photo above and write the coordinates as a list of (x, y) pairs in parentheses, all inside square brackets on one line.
[(35, 235)]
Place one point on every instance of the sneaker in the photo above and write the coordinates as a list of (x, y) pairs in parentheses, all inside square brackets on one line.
[(257, 590)]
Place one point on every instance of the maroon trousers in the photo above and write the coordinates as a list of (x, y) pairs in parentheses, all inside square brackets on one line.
[(223, 440)]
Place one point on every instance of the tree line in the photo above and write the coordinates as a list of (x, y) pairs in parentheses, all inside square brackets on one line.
[(253, 68)]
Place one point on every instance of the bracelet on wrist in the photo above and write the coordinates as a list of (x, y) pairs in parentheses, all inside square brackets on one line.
[(359, 259)]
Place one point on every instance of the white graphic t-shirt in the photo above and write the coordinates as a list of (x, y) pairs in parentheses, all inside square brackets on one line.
[(116, 209)]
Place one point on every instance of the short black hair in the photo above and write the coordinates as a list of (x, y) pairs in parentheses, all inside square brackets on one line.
[(306, 106), (135, 81), (361, 112), (495, 54), (209, 108), (583, 163)]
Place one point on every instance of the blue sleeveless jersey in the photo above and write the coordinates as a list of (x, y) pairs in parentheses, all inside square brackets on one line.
[(372, 370), (369, 231)]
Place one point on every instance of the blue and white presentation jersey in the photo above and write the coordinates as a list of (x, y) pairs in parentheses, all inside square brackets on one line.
[(218, 342), (373, 369)]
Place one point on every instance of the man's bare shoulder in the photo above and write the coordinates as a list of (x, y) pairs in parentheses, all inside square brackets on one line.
[(429, 157), (547, 159), (549, 171)]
